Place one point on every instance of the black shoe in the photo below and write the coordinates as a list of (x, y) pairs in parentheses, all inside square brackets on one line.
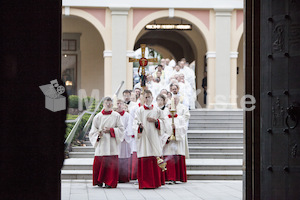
[(107, 186), (100, 184)]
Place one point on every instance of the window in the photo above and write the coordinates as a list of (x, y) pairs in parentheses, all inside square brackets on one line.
[(70, 62)]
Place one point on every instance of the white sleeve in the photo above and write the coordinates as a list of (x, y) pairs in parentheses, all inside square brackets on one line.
[(94, 132), (128, 129), (119, 130), (180, 130)]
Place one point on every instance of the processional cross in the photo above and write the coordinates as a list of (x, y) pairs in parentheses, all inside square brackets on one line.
[(143, 63)]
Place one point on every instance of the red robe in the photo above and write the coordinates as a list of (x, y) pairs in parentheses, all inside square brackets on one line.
[(106, 162), (148, 146)]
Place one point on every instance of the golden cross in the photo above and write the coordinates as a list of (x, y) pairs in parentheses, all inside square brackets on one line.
[(143, 63)]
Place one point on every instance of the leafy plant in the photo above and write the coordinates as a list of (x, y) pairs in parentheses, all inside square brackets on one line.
[(71, 117), (73, 101)]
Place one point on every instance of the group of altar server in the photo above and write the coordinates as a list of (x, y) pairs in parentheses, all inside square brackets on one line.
[(135, 139)]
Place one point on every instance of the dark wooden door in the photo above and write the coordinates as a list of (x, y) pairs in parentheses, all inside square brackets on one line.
[(280, 99)]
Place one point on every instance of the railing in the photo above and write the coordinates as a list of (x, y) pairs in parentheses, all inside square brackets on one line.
[(77, 121)]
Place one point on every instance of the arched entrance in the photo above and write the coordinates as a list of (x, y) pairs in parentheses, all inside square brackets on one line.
[(240, 72), (177, 44), (89, 49)]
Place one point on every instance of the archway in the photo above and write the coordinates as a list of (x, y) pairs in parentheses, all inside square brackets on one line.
[(240, 72), (90, 62), (190, 45)]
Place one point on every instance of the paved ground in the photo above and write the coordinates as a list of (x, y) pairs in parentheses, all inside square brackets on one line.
[(204, 190)]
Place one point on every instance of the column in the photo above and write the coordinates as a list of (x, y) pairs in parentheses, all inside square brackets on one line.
[(119, 46), (107, 54), (233, 78), (223, 69), (129, 83), (211, 74)]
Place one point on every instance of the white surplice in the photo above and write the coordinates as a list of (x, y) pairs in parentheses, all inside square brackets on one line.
[(107, 145), (125, 150), (148, 142), (176, 147)]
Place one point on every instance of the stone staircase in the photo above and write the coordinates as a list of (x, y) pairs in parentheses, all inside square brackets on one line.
[(215, 140)]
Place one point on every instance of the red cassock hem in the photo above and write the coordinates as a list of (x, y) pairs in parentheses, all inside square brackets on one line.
[(106, 170), (180, 167), (149, 174), (123, 170), (134, 166), (170, 174)]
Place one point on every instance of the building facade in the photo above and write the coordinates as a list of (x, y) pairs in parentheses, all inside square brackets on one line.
[(100, 36)]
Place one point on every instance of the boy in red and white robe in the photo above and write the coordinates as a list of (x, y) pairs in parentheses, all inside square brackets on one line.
[(106, 135), (174, 150), (125, 150), (149, 120)]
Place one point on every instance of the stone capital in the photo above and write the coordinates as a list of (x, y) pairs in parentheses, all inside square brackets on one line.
[(107, 53)]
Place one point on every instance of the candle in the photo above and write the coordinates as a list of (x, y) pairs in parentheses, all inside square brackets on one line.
[(115, 101), (172, 104)]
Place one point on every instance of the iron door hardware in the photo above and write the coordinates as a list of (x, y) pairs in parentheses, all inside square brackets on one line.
[(292, 117)]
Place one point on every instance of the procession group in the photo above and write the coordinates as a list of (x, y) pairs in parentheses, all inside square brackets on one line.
[(136, 136), (167, 73)]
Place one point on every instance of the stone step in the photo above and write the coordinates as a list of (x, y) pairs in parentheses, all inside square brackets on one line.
[(191, 164), (81, 154), (87, 143), (197, 169), (76, 174), (83, 149), (215, 128), (217, 121), (215, 175), (215, 140), (215, 125), (214, 131), (214, 164), (218, 112), (216, 117), (215, 135), (205, 144), (191, 175), (216, 149), (217, 155)]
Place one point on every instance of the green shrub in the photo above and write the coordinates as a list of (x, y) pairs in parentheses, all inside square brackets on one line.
[(68, 129), (71, 117), (88, 100), (79, 133), (73, 101)]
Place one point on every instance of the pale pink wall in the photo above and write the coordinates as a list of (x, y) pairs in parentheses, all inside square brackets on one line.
[(139, 14), (239, 18), (98, 13), (203, 15)]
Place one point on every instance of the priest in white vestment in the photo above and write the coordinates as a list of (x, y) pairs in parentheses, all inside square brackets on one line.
[(125, 150), (127, 100), (106, 136), (149, 121)]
